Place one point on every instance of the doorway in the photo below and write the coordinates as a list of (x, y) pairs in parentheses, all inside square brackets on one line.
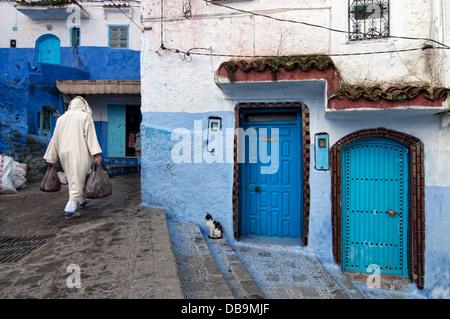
[(123, 130), (375, 206), (48, 49), (271, 174)]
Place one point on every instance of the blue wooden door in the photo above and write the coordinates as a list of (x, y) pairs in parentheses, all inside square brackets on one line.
[(116, 130), (48, 49), (271, 181), (374, 206)]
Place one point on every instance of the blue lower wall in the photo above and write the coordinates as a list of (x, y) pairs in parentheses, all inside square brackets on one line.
[(437, 239), (102, 63), (26, 86), (187, 191), (101, 129)]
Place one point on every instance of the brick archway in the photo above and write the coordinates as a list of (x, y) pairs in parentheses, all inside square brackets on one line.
[(416, 214)]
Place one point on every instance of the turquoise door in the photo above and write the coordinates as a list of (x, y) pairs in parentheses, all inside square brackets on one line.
[(48, 49), (271, 181), (116, 130), (374, 206)]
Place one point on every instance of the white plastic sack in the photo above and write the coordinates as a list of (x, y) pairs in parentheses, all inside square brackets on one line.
[(6, 183), (19, 172)]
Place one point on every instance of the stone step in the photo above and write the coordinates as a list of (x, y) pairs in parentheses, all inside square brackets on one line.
[(209, 269), (121, 169), (233, 270)]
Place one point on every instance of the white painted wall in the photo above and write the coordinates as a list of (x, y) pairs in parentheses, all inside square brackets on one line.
[(232, 32)]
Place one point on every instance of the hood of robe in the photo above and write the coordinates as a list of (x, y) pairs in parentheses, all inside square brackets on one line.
[(79, 104)]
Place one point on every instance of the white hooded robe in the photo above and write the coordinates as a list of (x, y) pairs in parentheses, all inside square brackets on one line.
[(74, 142)]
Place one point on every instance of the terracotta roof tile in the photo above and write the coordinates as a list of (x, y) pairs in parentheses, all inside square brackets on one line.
[(393, 93), (321, 63)]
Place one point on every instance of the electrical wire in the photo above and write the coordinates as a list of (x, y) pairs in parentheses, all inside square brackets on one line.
[(187, 55), (315, 25), (117, 6), (187, 9)]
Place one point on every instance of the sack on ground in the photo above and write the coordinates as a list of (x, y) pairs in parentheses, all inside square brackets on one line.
[(19, 172), (6, 167), (50, 182), (98, 184)]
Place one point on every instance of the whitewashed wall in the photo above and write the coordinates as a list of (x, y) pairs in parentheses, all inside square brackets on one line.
[(94, 31)]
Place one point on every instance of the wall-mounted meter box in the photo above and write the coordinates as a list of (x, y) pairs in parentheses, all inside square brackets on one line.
[(322, 162), (214, 131)]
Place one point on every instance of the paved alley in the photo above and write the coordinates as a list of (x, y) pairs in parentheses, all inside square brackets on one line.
[(119, 249)]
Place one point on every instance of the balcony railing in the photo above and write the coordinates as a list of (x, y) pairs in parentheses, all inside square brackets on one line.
[(368, 19)]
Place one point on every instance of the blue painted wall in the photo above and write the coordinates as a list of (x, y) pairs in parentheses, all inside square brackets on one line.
[(26, 86), (187, 191), (437, 252), (101, 128)]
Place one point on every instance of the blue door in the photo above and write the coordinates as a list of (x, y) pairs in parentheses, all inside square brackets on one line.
[(271, 175), (374, 206), (48, 49), (116, 130)]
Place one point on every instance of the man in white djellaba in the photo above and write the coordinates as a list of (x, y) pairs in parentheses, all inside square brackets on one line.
[(74, 142)]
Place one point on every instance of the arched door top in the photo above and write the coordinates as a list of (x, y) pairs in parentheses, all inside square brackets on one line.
[(416, 188), (48, 49)]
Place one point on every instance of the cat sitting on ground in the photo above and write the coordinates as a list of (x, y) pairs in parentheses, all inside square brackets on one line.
[(215, 229)]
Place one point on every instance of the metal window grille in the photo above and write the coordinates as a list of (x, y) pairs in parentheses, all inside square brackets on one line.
[(46, 119), (118, 37), (75, 36), (368, 19)]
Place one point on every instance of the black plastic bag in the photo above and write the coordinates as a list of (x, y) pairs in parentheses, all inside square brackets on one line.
[(98, 184), (50, 182)]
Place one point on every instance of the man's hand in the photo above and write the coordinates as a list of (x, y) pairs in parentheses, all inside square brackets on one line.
[(97, 159)]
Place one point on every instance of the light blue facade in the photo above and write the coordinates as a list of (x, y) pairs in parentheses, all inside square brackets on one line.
[(189, 189)]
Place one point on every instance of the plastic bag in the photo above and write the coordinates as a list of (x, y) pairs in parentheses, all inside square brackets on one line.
[(6, 183), (19, 172), (98, 184), (50, 182)]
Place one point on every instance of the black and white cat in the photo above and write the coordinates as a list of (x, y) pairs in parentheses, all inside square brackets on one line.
[(215, 229)]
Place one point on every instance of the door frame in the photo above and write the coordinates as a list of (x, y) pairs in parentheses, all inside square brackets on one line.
[(415, 232), (295, 173), (305, 165), (382, 214)]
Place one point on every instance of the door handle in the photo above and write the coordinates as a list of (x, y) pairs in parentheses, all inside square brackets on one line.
[(391, 212), (257, 189)]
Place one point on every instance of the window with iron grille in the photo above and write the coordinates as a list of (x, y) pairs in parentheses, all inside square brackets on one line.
[(75, 36), (368, 19), (118, 37)]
